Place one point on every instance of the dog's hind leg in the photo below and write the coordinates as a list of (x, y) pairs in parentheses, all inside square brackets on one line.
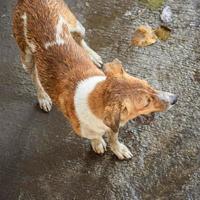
[(27, 60), (29, 65), (78, 33), (27, 49), (43, 98), (92, 54)]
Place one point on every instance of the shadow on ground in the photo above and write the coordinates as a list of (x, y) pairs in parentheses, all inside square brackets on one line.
[(41, 157)]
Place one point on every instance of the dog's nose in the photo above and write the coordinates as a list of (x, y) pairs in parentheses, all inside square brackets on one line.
[(173, 99), (170, 98)]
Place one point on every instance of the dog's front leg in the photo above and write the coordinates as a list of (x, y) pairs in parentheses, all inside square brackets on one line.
[(119, 149), (98, 145), (97, 142)]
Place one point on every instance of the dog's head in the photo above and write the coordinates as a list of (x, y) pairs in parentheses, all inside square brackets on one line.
[(127, 97)]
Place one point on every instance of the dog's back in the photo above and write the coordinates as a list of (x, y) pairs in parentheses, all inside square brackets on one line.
[(41, 29)]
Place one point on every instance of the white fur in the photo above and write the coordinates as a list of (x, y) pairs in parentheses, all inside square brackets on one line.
[(49, 44), (24, 66), (28, 56), (30, 44), (27, 60), (120, 150), (78, 28), (91, 126), (43, 98), (92, 54), (59, 30), (98, 145), (167, 97)]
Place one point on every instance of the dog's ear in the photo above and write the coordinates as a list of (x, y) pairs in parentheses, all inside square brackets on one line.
[(112, 116), (114, 68)]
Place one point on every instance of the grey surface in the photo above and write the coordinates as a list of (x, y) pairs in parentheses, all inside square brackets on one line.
[(41, 157)]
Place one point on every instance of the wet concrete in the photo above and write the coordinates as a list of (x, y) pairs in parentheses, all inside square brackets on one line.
[(41, 157)]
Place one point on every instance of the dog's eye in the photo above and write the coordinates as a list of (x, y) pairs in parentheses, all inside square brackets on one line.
[(148, 102), (124, 110)]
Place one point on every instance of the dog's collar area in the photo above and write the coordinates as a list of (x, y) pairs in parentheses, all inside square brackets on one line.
[(82, 108)]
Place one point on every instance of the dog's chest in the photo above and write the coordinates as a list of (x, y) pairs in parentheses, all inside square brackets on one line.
[(85, 116)]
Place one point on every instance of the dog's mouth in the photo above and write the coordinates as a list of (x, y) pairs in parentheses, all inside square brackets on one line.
[(145, 119)]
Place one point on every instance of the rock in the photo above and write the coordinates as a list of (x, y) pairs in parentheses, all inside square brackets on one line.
[(128, 13), (166, 15)]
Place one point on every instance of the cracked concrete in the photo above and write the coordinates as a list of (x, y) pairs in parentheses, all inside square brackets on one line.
[(41, 157)]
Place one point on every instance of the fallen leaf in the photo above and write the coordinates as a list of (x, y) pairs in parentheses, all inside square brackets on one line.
[(153, 3), (163, 32), (143, 36), (166, 15)]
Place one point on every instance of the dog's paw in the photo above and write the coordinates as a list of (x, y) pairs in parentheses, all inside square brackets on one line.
[(121, 151), (96, 58), (45, 102), (99, 146)]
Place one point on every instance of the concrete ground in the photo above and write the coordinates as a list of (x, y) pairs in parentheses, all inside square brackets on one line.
[(42, 159)]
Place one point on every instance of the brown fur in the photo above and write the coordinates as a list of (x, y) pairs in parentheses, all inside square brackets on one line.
[(116, 100), (123, 97), (58, 68)]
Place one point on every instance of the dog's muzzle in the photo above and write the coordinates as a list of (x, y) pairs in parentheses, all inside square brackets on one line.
[(167, 97)]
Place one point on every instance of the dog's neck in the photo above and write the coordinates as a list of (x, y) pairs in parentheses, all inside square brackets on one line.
[(82, 101)]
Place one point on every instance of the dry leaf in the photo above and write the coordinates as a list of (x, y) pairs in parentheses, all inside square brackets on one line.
[(143, 36), (163, 32)]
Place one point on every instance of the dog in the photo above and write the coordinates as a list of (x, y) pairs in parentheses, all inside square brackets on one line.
[(64, 70)]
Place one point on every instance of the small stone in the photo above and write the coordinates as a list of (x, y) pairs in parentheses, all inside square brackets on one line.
[(87, 4), (128, 13), (166, 15)]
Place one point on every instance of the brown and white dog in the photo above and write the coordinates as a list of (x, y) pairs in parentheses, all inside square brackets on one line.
[(63, 71)]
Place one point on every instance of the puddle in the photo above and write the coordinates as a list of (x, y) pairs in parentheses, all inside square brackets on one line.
[(102, 21)]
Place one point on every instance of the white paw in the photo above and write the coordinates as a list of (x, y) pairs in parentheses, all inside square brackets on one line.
[(99, 146), (121, 151), (45, 102), (96, 58)]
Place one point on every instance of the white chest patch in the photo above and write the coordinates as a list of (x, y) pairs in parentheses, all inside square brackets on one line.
[(88, 121)]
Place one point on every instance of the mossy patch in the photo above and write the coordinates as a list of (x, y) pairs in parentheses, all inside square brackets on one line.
[(153, 3)]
